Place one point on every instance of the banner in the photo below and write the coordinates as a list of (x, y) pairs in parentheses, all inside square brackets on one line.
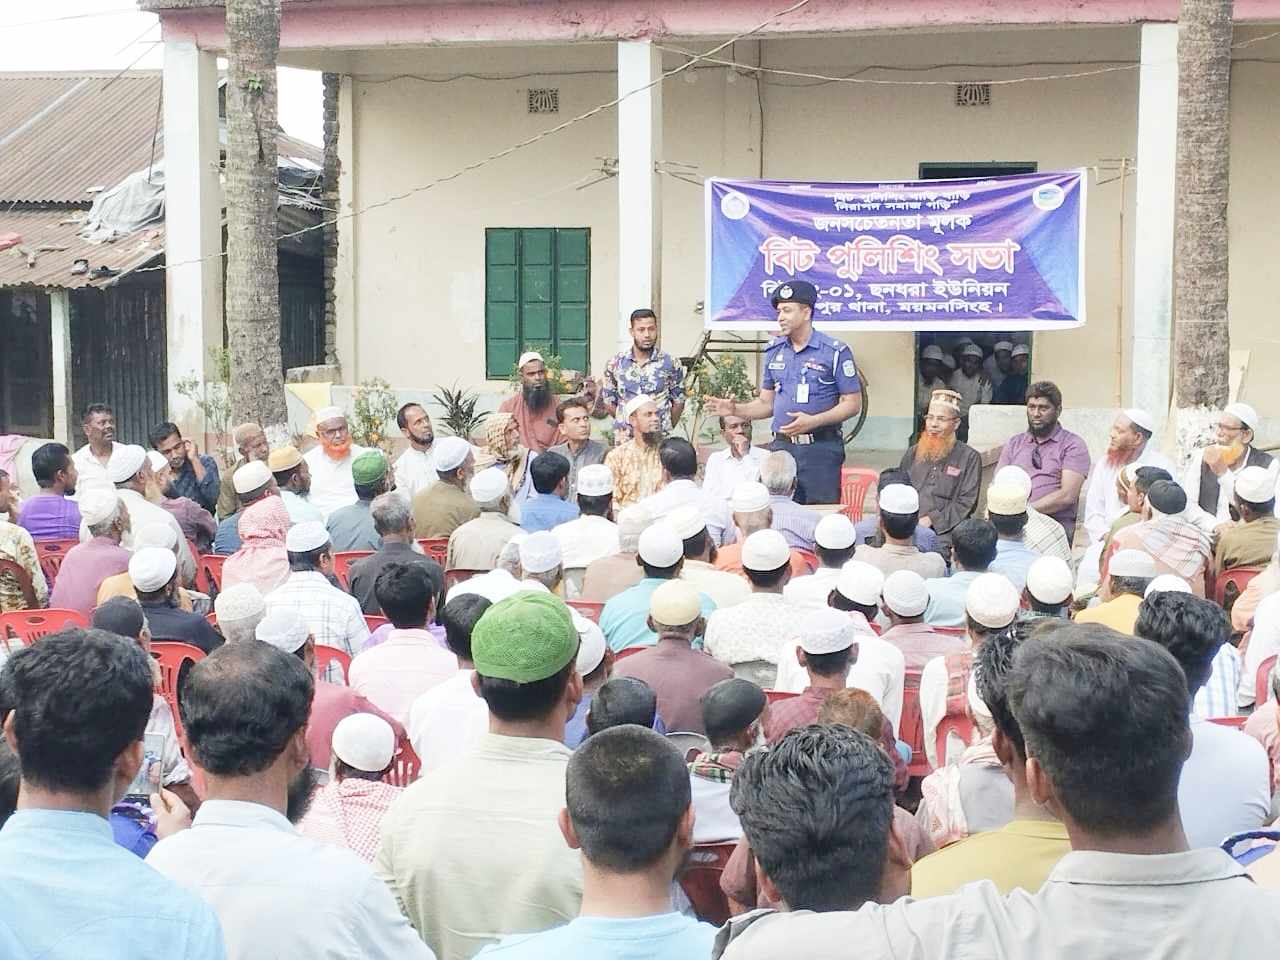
[(1000, 253)]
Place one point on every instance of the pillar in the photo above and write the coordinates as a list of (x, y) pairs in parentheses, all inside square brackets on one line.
[(60, 356), (344, 271), (193, 221), (639, 190), (1154, 225)]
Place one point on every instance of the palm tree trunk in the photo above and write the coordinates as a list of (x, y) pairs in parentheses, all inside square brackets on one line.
[(252, 284), (1201, 339)]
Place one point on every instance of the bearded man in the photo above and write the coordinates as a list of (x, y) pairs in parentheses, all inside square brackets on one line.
[(636, 465), (1130, 443), (945, 472), (534, 408), (1211, 476), (330, 463)]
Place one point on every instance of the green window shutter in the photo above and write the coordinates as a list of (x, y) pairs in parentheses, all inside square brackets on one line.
[(501, 304), (573, 297)]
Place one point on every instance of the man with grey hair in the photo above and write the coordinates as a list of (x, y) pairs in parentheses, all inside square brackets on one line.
[(476, 544), (251, 443), (393, 522), (796, 523), (612, 574)]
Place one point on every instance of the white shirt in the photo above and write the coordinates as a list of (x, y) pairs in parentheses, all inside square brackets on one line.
[(1225, 786), (300, 510), (142, 513), (447, 720), (933, 706), (762, 627), (281, 895), (415, 470), (679, 493), (713, 819), (397, 671), (334, 618), (331, 485), (585, 539), (1226, 487), (880, 670), (91, 472), (813, 590), (1102, 505), (725, 589), (1264, 642), (724, 471)]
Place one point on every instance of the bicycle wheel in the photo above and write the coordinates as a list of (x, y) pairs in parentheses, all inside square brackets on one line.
[(858, 421)]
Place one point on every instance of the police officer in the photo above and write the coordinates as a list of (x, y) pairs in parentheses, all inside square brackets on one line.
[(811, 387)]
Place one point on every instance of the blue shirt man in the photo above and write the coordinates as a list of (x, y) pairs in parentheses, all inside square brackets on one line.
[(925, 540), (1013, 560), (204, 491), (227, 540), (946, 598), (542, 511), (625, 617)]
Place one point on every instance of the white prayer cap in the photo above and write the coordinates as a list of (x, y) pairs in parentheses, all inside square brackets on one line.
[(931, 352), (493, 586), (860, 582), (635, 403), (1005, 345), (528, 357), (765, 550), (660, 546), (283, 628), (1021, 350), (251, 476), (1167, 583), (125, 462), (1132, 563), (540, 552), (364, 741), (675, 604), (1012, 475), (992, 600), (905, 593), (151, 568), (1006, 500), (330, 413), (488, 485), (96, 504), (834, 532), (1244, 413), (971, 350), (157, 460), (1049, 580), (241, 601), (686, 521), (899, 498), (976, 705), (306, 536), (748, 497), (1255, 485), (591, 643), (595, 480), (826, 630), (633, 521), (155, 535), (450, 453), (1140, 418)]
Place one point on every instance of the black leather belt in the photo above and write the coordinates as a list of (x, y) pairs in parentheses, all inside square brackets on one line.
[(802, 439)]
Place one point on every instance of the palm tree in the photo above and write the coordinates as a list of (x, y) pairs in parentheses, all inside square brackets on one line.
[(1201, 338), (252, 284)]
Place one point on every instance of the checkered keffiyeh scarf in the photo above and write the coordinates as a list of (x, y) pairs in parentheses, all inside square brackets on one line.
[(1177, 543), (718, 767)]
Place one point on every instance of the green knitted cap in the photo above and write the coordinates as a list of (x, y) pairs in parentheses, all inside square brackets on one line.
[(369, 467), (527, 637)]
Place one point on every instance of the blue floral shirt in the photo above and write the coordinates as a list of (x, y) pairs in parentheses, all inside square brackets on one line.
[(660, 377)]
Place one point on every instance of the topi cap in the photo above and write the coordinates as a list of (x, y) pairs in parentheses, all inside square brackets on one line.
[(635, 403), (252, 476), (1132, 563), (369, 467), (151, 568), (125, 462), (1255, 485), (1005, 345), (1167, 583), (282, 459), (1140, 418), (364, 741), (1021, 350), (834, 532), (330, 413), (1167, 498), (660, 546), (1049, 580), (540, 552), (898, 498), (971, 350), (96, 504), (241, 601), (1012, 476), (765, 550), (488, 485), (748, 497), (992, 600), (905, 593), (449, 453), (306, 536), (595, 480), (633, 521), (931, 352), (1244, 413), (860, 582), (283, 628), (591, 643), (525, 638), (157, 460), (155, 535), (947, 400), (1006, 500), (675, 604), (686, 521), (528, 357), (825, 630)]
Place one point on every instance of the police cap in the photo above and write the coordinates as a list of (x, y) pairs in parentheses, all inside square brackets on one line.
[(797, 291)]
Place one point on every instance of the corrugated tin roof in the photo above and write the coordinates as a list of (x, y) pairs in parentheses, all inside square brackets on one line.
[(63, 133), (58, 228)]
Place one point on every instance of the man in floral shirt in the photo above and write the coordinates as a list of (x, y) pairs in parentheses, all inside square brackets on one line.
[(644, 369)]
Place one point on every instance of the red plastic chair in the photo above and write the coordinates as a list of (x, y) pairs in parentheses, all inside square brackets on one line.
[(30, 625), (911, 725), (405, 768), (588, 608), (342, 561), (326, 655), (810, 558), (437, 548), (458, 575), (28, 589), (773, 696), (375, 620), (209, 573), (171, 655), (1261, 683), (701, 881), (1236, 722), (855, 484), (962, 727), (51, 553), (212, 618), (1237, 577)]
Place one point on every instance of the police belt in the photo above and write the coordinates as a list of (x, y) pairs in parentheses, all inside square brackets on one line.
[(818, 436)]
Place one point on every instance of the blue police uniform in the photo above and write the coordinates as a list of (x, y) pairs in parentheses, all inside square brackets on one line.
[(809, 380)]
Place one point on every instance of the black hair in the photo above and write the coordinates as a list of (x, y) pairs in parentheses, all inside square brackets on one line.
[(1008, 524), (95, 408), (980, 631), (568, 404), (765, 579), (547, 470), (678, 457), (1046, 390), (829, 557), (242, 704), (900, 526), (368, 491), (404, 591), (891, 476), (730, 707), (79, 698), (640, 314), (1144, 477), (626, 790), (620, 701), (696, 545), (459, 617), (1134, 585), (48, 459), (974, 543), (10, 777), (838, 601), (834, 664), (1191, 628), (301, 561), (283, 477), (162, 432), (659, 573), (1084, 696), (992, 661), (816, 809), (1048, 609), (122, 616), (514, 702), (595, 506), (344, 771), (402, 419)]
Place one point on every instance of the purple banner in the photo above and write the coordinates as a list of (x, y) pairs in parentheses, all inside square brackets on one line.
[(1000, 253)]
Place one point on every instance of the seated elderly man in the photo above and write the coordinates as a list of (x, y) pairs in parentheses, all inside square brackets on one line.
[(945, 471), (899, 515), (477, 543), (739, 462), (92, 561), (352, 527), (1176, 544), (1250, 539), (752, 512), (791, 519), (293, 480), (444, 506), (867, 530), (239, 610), (130, 471), (1211, 475), (330, 463), (393, 524), (1129, 573), (540, 560), (1128, 445), (608, 576)]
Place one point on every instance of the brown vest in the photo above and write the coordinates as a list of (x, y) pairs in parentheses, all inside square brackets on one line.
[(1209, 480)]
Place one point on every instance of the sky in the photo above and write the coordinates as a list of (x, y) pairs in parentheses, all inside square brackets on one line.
[(115, 35)]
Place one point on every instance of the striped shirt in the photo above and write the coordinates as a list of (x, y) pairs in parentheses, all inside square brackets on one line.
[(1217, 698), (1045, 536), (795, 522)]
